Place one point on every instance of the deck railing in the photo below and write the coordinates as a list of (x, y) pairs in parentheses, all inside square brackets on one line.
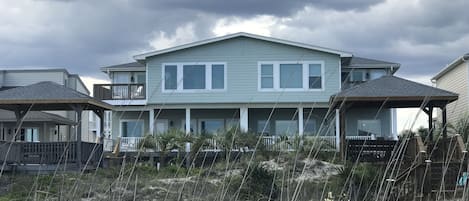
[(49, 152), (119, 91)]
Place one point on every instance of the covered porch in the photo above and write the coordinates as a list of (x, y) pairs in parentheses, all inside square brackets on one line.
[(387, 92), (272, 124), (27, 101)]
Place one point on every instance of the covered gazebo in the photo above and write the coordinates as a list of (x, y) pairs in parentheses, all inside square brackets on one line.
[(392, 92), (50, 96)]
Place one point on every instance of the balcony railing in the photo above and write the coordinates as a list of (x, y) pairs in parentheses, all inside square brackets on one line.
[(119, 91)]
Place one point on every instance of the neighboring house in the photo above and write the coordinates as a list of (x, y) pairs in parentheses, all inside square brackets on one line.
[(261, 84), (455, 77), (51, 127)]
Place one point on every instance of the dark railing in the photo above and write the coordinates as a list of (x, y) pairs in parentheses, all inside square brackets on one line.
[(119, 91), (49, 152), (370, 150)]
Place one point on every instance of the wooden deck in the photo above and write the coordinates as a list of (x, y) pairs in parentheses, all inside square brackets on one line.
[(49, 153)]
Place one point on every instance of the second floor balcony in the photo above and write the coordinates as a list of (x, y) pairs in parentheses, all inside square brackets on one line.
[(119, 91)]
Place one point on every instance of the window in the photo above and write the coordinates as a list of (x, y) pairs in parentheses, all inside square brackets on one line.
[(132, 128), (263, 127), (32, 135), (315, 76), (170, 77), (194, 76), (218, 75), (286, 127), (267, 76), (291, 76), (211, 126), (357, 76), (369, 127), (309, 127)]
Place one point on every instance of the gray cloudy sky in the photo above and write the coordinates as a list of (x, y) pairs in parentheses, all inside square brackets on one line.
[(422, 35)]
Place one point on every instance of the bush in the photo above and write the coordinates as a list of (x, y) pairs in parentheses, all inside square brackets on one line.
[(258, 185)]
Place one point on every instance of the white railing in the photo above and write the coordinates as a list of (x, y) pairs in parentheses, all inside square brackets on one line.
[(130, 143), (271, 143)]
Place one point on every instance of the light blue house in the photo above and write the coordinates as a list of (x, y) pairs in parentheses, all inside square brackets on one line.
[(261, 84)]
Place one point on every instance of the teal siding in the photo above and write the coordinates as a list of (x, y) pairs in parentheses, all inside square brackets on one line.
[(242, 56)]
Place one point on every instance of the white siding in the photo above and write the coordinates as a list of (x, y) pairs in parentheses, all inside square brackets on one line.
[(456, 81)]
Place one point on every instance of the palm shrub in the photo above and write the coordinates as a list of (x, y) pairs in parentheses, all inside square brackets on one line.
[(169, 140)]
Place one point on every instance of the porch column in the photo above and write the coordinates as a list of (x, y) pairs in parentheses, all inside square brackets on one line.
[(188, 121), (243, 119), (300, 121), (430, 124), (337, 130), (151, 120), (342, 133)]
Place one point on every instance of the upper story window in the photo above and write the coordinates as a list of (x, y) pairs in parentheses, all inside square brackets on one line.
[(194, 76), (293, 76), (128, 78)]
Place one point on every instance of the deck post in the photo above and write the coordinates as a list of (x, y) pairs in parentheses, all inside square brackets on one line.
[(300, 121), (337, 130), (243, 119), (430, 123), (444, 119), (78, 110), (342, 133)]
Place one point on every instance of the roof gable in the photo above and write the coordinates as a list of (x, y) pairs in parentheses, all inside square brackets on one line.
[(142, 57)]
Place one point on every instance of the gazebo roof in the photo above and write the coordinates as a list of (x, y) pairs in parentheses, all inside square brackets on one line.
[(48, 96), (394, 92), (35, 116)]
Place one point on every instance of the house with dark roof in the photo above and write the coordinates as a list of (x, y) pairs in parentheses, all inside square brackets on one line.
[(272, 87), (54, 125)]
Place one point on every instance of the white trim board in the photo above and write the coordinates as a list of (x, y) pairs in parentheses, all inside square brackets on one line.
[(141, 57)]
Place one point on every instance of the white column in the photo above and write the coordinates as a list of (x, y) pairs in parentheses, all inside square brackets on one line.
[(394, 131), (151, 120), (188, 121), (300, 121), (243, 119), (337, 130)]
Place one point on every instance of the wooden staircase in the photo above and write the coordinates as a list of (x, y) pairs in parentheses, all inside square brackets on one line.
[(430, 171)]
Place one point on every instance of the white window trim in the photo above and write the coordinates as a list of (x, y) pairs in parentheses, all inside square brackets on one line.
[(180, 80), (128, 120), (276, 76)]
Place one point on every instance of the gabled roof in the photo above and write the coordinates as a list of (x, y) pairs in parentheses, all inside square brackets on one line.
[(133, 66), (48, 96), (398, 91), (141, 57), (452, 65), (365, 62), (35, 116)]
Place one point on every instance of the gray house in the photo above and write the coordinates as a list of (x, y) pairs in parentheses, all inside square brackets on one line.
[(261, 84), (48, 126)]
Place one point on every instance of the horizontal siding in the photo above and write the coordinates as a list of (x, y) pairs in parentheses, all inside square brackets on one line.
[(241, 56), (456, 81), (17, 78)]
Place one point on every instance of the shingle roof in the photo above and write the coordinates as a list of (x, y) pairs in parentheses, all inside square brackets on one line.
[(365, 62), (50, 94), (126, 65), (35, 116), (392, 88)]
